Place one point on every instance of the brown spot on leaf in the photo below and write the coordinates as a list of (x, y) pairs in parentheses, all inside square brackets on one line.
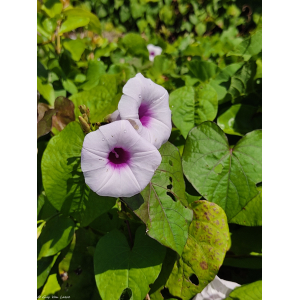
[(203, 265)]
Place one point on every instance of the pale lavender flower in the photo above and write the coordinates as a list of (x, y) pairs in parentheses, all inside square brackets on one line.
[(146, 105), (116, 161), (153, 51), (218, 289)]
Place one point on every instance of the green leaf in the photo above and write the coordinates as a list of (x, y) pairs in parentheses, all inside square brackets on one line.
[(73, 22), (101, 99), (74, 47), (233, 185), (135, 45), (252, 291), (203, 70), (191, 106), (249, 47), (203, 253), (64, 265), (226, 73), (95, 70), (124, 13), (56, 235), (51, 287), (123, 267), (46, 90), (44, 266), (251, 214), (161, 204), (240, 119), (94, 24), (40, 228), (167, 15), (64, 181), (242, 82), (52, 7), (40, 27)]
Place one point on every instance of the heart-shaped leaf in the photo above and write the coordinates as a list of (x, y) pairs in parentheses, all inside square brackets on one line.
[(191, 106), (117, 267), (223, 175), (161, 205), (203, 253), (64, 181)]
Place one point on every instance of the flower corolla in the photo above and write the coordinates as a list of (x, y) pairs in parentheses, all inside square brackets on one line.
[(116, 161), (153, 51), (218, 289), (146, 105)]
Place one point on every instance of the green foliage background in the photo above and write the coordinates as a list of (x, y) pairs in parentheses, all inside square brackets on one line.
[(208, 187)]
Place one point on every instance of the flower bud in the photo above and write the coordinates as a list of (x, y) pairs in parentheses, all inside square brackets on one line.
[(85, 126)]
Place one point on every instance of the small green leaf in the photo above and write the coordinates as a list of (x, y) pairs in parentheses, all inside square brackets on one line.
[(56, 235), (94, 23), (95, 70), (52, 7), (203, 253), (191, 106), (123, 268), (203, 70), (162, 205), (44, 266), (240, 119), (46, 90), (74, 47), (251, 291), (51, 287), (135, 45), (249, 47), (101, 100), (64, 265), (73, 22), (40, 228), (207, 147)]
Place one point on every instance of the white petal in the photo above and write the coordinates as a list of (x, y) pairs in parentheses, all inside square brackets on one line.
[(218, 289)]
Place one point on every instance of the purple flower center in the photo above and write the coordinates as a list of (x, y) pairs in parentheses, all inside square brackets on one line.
[(145, 114), (118, 156), (152, 53)]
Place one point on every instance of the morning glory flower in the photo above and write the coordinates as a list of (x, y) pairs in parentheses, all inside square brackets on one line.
[(153, 51), (218, 289), (146, 105), (116, 161)]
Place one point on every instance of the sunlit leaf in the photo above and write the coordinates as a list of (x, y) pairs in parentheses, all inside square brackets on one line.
[(161, 205), (223, 175), (191, 106)]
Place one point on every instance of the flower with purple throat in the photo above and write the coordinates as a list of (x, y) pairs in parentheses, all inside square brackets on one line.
[(153, 51), (146, 105), (116, 161)]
